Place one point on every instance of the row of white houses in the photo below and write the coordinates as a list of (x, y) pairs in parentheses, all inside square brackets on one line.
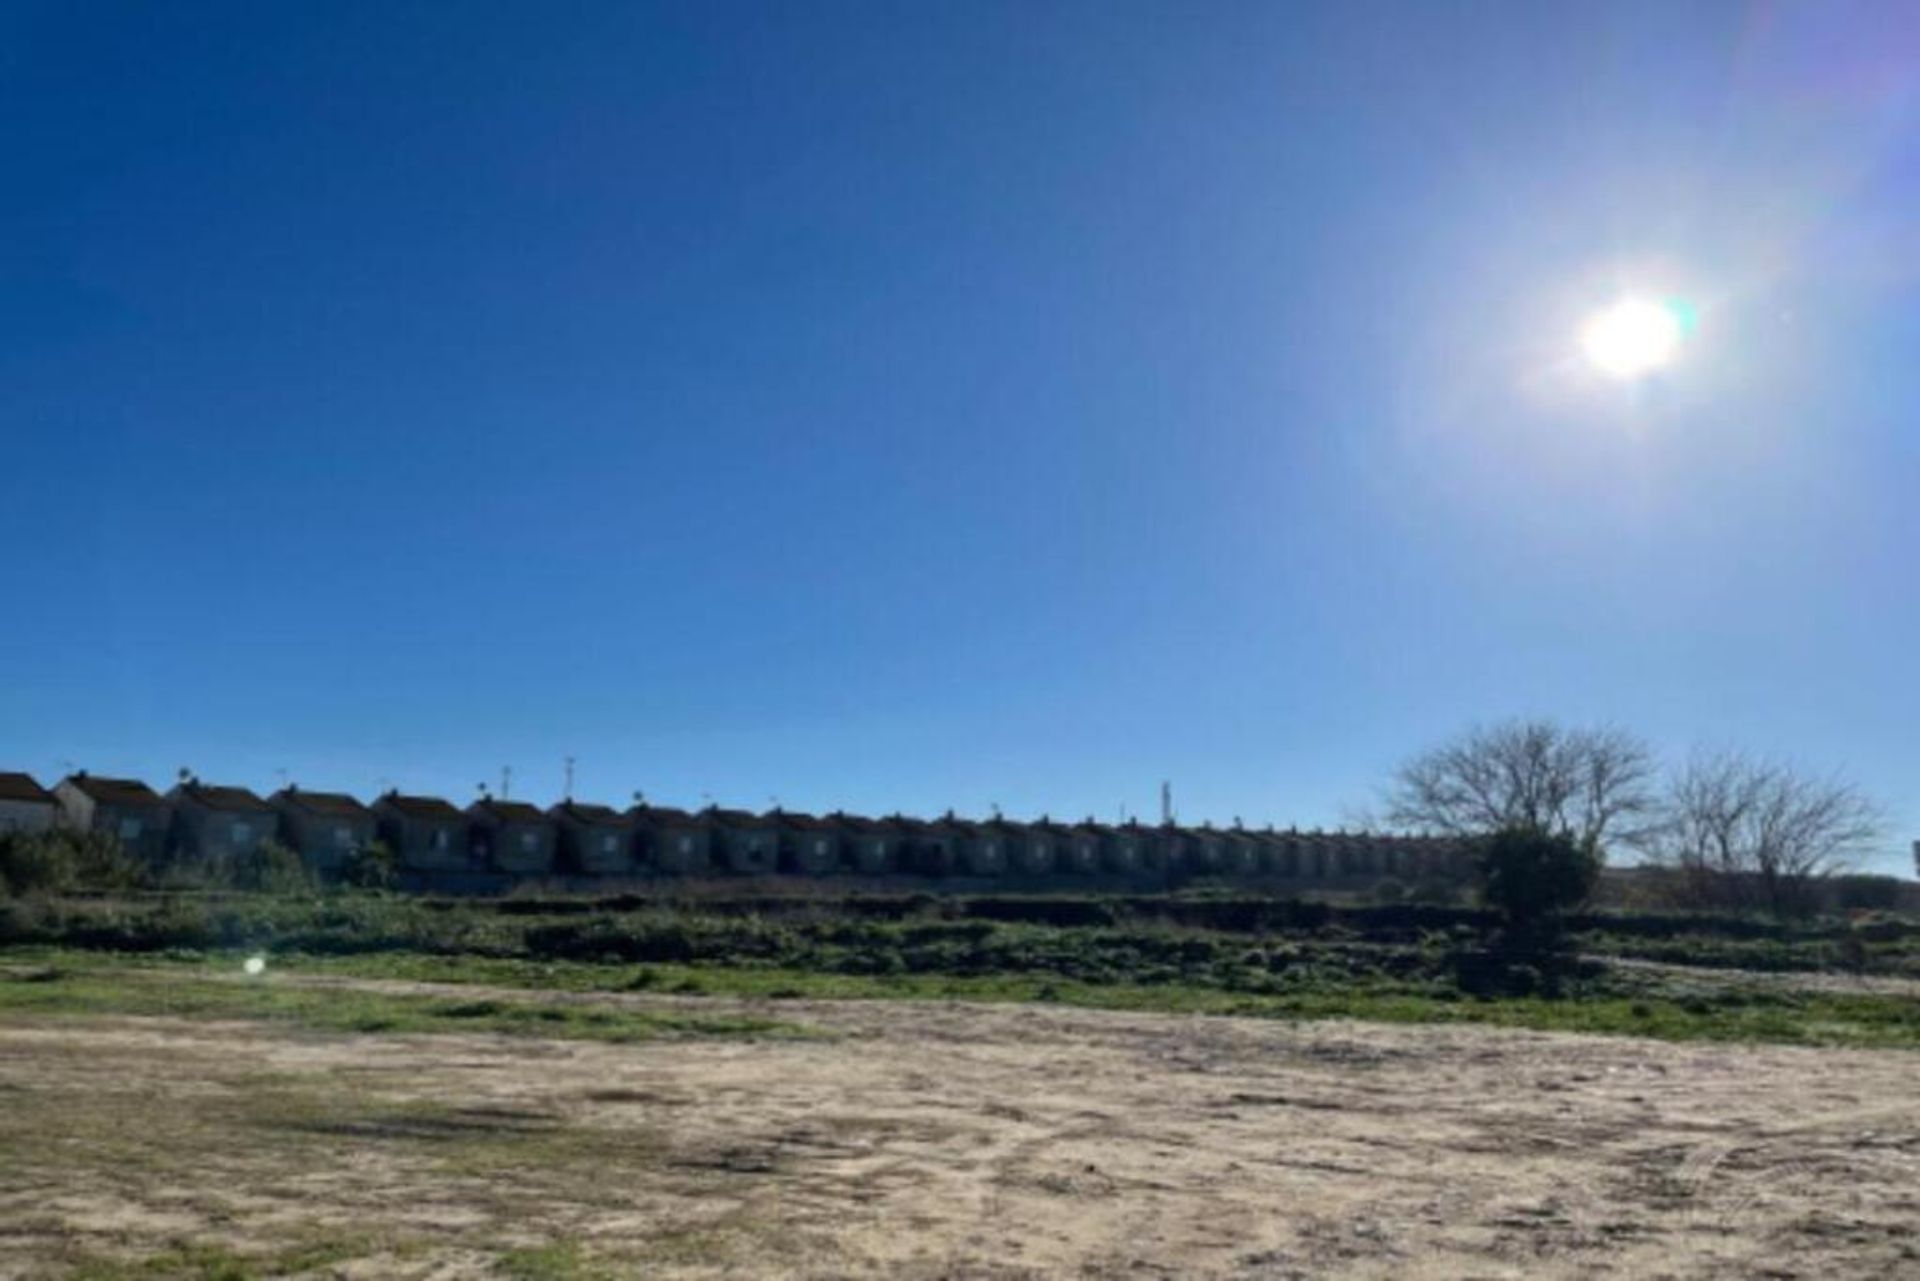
[(431, 838)]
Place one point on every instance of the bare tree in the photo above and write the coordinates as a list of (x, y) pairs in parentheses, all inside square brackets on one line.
[(1744, 831), (1588, 785)]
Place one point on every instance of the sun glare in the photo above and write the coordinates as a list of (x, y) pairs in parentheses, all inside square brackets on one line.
[(1634, 337)]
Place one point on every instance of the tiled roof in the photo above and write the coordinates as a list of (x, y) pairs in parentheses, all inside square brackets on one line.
[(21, 787), (585, 812), (236, 800), (860, 823), (420, 807), (799, 822), (332, 804), (116, 791), (505, 811), (736, 818), (663, 815)]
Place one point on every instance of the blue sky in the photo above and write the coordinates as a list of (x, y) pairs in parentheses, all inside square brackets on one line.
[(908, 406)]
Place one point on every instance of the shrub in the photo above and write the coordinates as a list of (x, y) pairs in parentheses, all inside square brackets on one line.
[(1388, 890), (1533, 878), (371, 867), (56, 861), (36, 861)]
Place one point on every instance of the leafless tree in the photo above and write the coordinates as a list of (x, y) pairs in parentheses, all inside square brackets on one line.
[(1590, 785), (1742, 831)]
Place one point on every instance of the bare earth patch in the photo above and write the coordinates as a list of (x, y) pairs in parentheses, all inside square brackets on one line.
[(952, 1141)]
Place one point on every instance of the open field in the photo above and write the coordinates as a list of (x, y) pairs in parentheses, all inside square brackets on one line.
[(919, 1139)]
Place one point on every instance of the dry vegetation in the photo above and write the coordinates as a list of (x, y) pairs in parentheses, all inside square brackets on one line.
[(933, 1140)]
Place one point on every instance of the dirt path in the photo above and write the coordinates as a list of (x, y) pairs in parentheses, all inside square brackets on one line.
[(961, 1141)]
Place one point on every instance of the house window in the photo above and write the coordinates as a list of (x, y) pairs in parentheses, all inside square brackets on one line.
[(242, 833), (880, 849), (820, 846), (129, 829), (609, 844), (342, 837), (529, 842), (686, 845), (440, 841)]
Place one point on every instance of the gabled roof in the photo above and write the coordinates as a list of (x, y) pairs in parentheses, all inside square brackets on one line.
[(115, 791), (736, 818), (498, 810), (231, 800), (331, 804), (876, 826), (588, 813), (800, 822), (661, 815), (21, 787), (428, 807)]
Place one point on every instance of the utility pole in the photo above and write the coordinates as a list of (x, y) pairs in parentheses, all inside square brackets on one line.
[(566, 793), (1166, 803)]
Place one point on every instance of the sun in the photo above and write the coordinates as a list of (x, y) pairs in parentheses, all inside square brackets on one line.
[(1634, 337)]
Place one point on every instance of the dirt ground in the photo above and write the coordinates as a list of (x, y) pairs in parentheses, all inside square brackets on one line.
[(932, 1140)]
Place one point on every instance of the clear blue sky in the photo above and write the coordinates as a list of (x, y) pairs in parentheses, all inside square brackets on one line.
[(911, 406)]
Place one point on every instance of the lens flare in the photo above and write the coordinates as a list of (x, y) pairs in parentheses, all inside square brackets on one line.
[(1634, 337)]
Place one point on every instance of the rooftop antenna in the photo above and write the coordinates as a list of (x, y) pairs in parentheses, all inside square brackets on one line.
[(1166, 802), (506, 781), (566, 793)]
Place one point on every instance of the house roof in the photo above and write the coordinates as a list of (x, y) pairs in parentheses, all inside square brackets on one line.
[(661, 815), (115, 791), (736, 818), (234, 800), (800, 822), (21, 787), (861, 823), (586, 812), (420, 807), (500, 810), (331, 804)]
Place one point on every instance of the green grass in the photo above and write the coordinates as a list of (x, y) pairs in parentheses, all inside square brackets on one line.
[(82, 985), (1726, 1008), (213, 1262), (558, 1261)]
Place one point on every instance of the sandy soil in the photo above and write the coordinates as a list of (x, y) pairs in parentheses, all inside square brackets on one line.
[(929, 1141)]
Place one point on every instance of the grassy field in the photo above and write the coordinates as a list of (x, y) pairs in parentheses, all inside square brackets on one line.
[(1828, 983)]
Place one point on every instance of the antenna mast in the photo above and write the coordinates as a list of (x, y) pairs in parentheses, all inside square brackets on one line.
[(1166, 803), (566, 793)]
